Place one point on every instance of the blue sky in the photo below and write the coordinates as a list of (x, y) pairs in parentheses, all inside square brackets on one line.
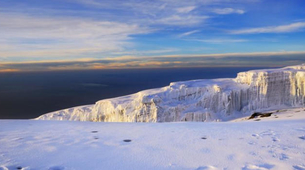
[(97, 34)]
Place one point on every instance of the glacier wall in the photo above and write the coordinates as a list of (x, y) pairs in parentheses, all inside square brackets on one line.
[(199, 100)]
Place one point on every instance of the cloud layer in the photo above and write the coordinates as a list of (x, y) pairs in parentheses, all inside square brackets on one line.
[(30, 36), (271, 59), (298, 26)]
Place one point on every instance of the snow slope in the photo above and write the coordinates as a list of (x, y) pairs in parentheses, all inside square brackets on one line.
[(199, 100), (276, 142)]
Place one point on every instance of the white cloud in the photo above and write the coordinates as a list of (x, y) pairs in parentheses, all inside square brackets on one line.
[(166, 12), (185, 9), (182, 20), (274, 29), (221, 40), (225, 11), (29, 26), (37, 36), (188, 33), (162, 13)]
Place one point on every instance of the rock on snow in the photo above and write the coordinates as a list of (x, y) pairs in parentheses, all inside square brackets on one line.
[(199, 100)]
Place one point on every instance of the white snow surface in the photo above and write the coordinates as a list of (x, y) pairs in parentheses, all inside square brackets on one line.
[(199, 100), (276, 142)]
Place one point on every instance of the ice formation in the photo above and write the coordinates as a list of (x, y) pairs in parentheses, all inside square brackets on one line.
[(199, 100)]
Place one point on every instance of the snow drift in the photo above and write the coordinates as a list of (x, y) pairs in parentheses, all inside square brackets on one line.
[(199, 100)]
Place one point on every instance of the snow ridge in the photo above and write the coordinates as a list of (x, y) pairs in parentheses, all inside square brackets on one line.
[(199, 100)]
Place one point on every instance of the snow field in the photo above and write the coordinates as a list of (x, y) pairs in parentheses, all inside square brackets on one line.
[(271, 143)]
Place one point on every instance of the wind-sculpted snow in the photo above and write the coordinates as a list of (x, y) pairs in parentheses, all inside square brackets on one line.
[(199, 100)]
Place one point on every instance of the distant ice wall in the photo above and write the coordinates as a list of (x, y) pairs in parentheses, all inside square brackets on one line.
[(199, 100)]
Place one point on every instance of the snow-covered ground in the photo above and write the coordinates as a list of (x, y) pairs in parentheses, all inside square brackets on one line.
[(275, 142)]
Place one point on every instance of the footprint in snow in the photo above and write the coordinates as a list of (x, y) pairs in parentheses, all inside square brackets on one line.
[(302, 137), (94, 131), (275, 139), (267, 133), (251, 143), (127, 140), (253, 153), (13, 167), (209, 167), (298, 167), (255, 135), (231, 157), (258, 167), (283, 157)]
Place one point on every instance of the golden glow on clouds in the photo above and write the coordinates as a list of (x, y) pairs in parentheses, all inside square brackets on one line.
[(8, 70), (271, 59), (240, 54)]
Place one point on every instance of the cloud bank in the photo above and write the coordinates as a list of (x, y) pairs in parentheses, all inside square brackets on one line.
[(271, 59)]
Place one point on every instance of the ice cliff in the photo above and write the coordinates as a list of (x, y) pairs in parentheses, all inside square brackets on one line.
[(199, 100)]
